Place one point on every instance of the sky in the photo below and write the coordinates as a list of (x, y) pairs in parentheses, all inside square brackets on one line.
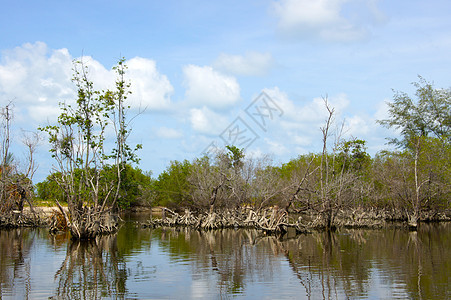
[(205, 74)]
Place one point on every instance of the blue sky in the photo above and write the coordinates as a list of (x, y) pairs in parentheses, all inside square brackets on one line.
[(197, 66)]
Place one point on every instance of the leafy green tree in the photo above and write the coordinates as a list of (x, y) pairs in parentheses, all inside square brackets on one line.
[(236, 156), (353, 156), (134, 183), (427, 115), (420, 121), (78, 144), (49, 190), (172, 186)]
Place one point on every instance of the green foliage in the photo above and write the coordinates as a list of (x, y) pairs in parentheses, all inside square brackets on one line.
[(394, 177), (419, 177), (133, 185), (87, 171), (236, 156), (172, 186), (429, 115), (434, 172), (48, 190), (297, 166), (353, 157)]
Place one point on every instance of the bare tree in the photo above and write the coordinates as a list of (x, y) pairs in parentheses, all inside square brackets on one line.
[(325, 186), (299, 184), (15, 185), (335, 178), (266, 186), (7, 167), (209, 182), (31, 141)]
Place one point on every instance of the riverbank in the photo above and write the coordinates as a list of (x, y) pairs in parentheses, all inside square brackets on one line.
[(278, 221), (270, 220)]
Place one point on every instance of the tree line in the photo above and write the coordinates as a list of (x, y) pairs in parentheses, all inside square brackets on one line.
[(96, 173), (410, 183)]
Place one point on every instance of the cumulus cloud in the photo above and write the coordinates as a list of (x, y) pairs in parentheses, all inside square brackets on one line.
[(325, 19), (33, 74), (382, 110), (38, 78), (357, 126), (309, 112), (150, 88), (41, 113), (255, 153), (206, 121), (299, 127), (168, 133), (251, 64), (206, 86)]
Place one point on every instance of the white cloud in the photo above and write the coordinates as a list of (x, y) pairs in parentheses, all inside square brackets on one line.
[(150, 88), (208, 87), (275, 147), (358, 126), (255, 153), (299, 126), (310, 112), (324, 19), (251, 64), (301, 140), (168, 133), (382, 110), (41, 113), (206, 121), (34, 74), (37, 78)]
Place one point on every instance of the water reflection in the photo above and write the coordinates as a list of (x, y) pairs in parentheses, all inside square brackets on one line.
[(15, 247), (388, 263), (225, 257), (182, 263), (91, 270)]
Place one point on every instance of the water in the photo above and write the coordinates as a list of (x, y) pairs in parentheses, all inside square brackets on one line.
[(186, 264)]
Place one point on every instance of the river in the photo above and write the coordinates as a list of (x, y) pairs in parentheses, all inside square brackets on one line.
[(178, 263)]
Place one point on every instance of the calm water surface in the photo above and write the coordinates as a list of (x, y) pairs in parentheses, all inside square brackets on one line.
[(187, 264)]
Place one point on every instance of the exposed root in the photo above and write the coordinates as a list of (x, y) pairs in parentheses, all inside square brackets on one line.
[(15, 219), (278, 221), (90, 222), (57, 222), (275, 222)]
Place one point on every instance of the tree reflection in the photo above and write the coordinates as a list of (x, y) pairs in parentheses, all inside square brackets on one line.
[(410, 264), (226, 255), (425, 261), (327, 265), (15, 248), (385, 263), (92, 270)]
